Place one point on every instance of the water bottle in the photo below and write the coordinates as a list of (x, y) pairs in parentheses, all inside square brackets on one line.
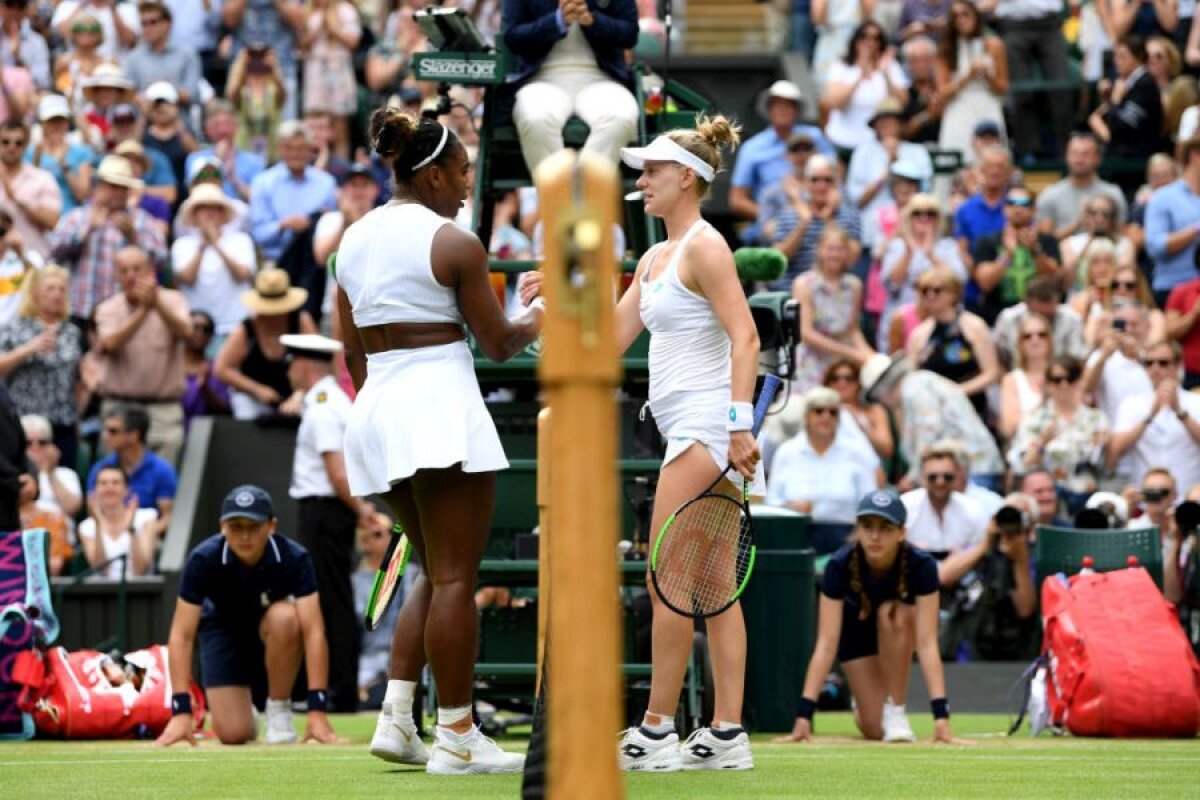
[(1088, 564)]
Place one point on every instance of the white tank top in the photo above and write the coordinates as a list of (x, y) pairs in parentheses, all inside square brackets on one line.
[(385, 266), (689, 348), (1028, 398)]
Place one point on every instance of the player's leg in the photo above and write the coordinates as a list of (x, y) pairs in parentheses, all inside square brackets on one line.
[(395, 737), (897, 628), (868, 684), (455, 510), (283, 646), (232, 713), (653, 745)]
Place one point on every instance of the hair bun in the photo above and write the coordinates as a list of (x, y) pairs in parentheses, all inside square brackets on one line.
[(719, 131), (391, 131)]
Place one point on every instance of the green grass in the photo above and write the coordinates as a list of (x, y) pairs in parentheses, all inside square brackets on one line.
[(837, 766)]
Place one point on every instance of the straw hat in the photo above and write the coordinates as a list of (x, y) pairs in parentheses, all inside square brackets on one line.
[(273, 293), (118, 171), (205, 194), (779, 90), (132, 149), (108, 76)]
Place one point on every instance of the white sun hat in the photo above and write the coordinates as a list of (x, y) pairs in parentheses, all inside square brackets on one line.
[(664, 148)]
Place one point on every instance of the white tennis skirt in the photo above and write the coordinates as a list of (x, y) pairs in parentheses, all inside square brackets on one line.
[(419, 409), (699, 417)]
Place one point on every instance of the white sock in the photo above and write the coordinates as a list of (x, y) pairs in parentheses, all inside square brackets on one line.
[(452, 715), (666, 726), (724, 726), (398, 700)]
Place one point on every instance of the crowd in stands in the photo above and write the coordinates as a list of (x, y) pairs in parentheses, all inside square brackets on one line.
[(174, 175)]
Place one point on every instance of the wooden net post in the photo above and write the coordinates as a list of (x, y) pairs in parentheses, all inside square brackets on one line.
[(580, 371)]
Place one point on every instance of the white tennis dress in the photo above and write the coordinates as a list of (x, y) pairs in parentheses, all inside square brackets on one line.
[(690, 364), (419, 408)]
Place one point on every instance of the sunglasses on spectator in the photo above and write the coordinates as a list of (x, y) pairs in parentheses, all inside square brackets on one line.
[(843, 377), (15, 3), (1130, 285), (1155, 495), (37, 442), (800, 147), (821, 178), (1027, 335), (148, 21), (1158, 362), (1020, 201), (1060, 379), (924, 213), (17, 142), (830, 410), (936, 477)]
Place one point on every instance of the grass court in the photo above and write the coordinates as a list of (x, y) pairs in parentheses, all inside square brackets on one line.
[(838, 766)]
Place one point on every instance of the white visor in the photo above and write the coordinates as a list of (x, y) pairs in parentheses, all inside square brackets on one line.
[(664, 148)]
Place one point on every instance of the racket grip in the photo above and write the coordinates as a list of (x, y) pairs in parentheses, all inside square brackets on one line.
[(766, 396)]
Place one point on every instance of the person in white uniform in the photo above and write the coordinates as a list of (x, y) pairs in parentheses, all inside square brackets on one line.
[(703, 362), (329, 513), (419, 434)]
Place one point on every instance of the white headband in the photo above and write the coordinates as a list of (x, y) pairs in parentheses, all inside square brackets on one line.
[(437, 151), (664, 148)]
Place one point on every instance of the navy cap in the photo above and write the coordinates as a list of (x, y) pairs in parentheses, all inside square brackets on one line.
[(987, 128), (357, 171), (883, 503), (249, 502)]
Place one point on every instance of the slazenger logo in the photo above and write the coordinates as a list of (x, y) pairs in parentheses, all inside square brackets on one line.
[(445, 68)]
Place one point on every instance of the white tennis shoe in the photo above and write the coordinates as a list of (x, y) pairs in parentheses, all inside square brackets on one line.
[(475, 754), (280, 728), (639, 752), (705, 750), (895, 723), (397, 741)]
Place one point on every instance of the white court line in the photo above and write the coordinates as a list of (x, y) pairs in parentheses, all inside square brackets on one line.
[(964, 752), (202, 759)]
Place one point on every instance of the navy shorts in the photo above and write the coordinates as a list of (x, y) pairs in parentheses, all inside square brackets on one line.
[(231, 655), (860, 638)]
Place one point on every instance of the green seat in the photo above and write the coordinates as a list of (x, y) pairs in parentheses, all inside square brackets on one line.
[(1063, 550)]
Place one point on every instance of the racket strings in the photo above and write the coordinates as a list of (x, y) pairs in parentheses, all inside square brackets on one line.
[(705, 556)]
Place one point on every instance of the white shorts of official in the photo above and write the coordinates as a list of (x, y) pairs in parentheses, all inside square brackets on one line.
[(419, 409), (699, 417)]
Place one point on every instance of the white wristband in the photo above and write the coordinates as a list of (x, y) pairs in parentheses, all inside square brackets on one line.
[(741, 417)]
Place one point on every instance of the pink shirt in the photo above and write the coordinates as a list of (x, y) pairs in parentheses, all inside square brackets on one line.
[(149, 367), (39, 192)]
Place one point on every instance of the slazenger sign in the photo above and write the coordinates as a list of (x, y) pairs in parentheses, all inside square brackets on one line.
[(483, 71)]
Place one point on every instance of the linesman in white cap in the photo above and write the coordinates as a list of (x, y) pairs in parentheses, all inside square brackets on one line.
[(328, 513)]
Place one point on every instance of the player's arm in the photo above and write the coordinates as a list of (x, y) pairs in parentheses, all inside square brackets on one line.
[(930, 658), (628, 316), (316, 663), (181, 644)]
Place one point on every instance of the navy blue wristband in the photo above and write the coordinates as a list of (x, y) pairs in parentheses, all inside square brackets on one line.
[(181, 703), (318, 699), (805, 708), (940, 707)]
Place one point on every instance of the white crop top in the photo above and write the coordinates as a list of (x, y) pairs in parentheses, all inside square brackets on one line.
[(689, 348), (385, 266)]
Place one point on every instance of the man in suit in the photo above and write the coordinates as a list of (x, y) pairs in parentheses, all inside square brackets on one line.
[(1130, 120), (570, 60)]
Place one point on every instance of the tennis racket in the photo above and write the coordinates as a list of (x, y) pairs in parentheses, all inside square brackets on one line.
[(704, 554), (387, 577)]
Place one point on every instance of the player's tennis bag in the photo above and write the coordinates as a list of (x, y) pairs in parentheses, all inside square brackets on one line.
[(91, 695), (1118, 661)]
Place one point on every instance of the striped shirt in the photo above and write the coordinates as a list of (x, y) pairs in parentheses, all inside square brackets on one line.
[(90, 255), (786, 220)]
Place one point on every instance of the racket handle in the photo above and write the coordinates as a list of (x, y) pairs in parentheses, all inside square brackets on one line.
[(766, 396)]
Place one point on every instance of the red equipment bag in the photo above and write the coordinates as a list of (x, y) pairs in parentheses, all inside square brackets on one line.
[(1119, 663), (86, 695)]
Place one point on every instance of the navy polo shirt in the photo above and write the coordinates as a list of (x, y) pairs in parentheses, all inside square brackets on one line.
[(152, 480), (835, 583), (238, 595)]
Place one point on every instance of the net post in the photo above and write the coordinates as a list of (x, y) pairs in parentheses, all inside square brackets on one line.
[(580, 371), (543, 542)]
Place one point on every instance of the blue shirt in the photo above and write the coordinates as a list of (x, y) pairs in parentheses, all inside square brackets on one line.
[(1172, 208), (193, 28), (246, 166), (762, 159), (261, 22), (276, 194), (975, 218), (152, 480), (237, 593), (77, 156)]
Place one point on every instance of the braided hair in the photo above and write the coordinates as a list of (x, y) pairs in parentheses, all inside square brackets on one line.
[(857, 557), (404, 141)]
